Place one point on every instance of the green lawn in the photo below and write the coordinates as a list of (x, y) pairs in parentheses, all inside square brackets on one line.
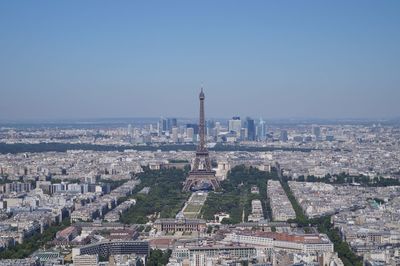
[(192, 208)]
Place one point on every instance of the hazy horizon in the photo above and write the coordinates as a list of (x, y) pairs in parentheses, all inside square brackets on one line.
[(78, 60), (148, 120)]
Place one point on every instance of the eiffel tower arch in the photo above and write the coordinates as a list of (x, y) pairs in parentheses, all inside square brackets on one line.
[(201, 172)]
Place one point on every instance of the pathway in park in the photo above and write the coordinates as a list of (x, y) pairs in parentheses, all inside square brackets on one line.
[(194, 204)]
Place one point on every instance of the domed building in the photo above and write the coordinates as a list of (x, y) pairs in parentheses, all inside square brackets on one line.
[(180, 224)]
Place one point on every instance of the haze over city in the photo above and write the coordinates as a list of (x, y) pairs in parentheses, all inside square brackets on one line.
[(77, 60), (199, 133)]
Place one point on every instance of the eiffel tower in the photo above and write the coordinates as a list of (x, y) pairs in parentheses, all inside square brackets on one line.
[(201, 172)]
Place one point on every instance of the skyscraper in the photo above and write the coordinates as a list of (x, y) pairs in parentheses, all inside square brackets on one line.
[(251, 129), (190, 133), (284, 135), (210, 128), (235, 124), (195, 128), (171, 123), (163, 125), (217, 128), (261, 133), (316, 131), (174, 131), (129, 133)]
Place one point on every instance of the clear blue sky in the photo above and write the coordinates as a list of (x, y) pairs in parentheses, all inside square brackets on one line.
[(88, 59)]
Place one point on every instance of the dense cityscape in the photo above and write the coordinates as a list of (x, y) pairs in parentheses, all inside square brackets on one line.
[(200, 133), (289, 194)]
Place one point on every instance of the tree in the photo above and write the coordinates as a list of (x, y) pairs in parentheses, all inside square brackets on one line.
[(158, 257), (227, 221), (166, 195), (209, 229)]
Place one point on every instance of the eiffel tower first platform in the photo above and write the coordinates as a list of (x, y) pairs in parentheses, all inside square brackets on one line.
[(201, 176)]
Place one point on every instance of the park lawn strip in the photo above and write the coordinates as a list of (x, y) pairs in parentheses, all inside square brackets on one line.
[(192, 208)]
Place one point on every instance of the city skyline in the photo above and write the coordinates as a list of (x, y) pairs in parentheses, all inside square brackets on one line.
[(272, 60), (204, 133)]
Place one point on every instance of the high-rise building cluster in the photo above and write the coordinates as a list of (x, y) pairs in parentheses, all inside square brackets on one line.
[(233, 130)]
